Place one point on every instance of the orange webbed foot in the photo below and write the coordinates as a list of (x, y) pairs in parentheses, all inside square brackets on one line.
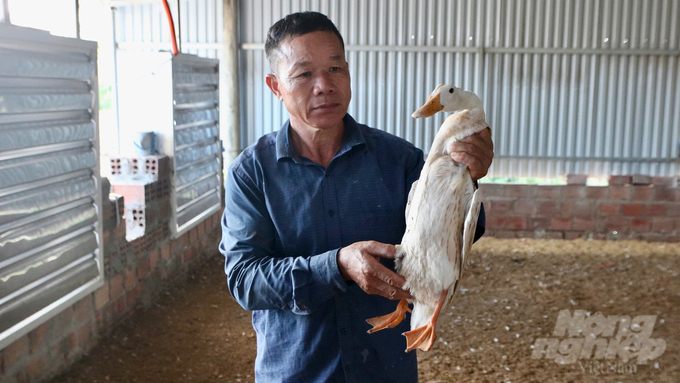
[(422, 338), (390, 320)]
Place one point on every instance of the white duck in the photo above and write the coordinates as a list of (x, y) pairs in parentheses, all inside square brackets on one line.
[(441, 218)]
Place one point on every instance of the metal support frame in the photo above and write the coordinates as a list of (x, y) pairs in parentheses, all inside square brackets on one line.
[(4, 15)]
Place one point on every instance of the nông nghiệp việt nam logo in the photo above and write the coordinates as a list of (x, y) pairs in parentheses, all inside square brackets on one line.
[(596, 337)]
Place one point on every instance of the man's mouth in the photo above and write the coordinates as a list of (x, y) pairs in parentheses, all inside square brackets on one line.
[(326, 106)]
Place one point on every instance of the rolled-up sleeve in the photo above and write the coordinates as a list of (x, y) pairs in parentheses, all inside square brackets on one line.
[(258, 278)]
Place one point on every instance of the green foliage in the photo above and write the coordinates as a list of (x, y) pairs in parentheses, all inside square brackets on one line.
[(524, 180), (105, 97)]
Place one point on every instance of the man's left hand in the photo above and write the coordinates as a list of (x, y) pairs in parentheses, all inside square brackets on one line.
[(475, 151)]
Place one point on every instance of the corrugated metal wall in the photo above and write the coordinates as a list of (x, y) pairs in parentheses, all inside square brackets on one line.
[(569, 86), (142, 25), (50, 198)]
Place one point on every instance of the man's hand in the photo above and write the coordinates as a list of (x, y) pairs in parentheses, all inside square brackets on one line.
[(360, 262), (475, 151)]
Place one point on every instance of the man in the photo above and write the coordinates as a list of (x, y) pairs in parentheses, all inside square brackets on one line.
[(312, 213)]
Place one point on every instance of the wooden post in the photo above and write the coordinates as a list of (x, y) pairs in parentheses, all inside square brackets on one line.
[(229, 89)]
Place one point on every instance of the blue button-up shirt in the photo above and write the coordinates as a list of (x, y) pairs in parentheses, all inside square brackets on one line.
[(285, 219)]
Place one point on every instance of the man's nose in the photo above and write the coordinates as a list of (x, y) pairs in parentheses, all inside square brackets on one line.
[(323, 83)]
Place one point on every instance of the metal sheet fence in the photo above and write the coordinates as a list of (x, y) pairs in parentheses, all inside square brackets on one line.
[(569, 86), (50, 202)]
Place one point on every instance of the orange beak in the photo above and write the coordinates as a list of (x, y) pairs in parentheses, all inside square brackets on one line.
[(432, 106)]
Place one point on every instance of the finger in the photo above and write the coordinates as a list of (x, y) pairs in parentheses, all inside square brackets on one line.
[(384, 274), (383, 250), (476, 167), (388, 291), (475, 148)]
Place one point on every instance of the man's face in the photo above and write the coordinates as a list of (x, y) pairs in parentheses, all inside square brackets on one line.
[(312, 80)]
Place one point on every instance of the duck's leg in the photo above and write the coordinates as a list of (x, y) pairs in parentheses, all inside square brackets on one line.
[(390, 320), (423, 337)]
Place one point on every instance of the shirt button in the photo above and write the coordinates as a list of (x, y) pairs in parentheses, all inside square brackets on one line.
[(347, 368), (345, 331), (331, 212)]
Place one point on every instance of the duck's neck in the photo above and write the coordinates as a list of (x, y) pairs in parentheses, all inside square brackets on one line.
[(468, 100)]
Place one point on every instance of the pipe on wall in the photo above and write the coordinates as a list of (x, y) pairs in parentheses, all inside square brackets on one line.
[(229, 86)]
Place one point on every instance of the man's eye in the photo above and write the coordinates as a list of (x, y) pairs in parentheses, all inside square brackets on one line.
[(334, 69), (305, 74)]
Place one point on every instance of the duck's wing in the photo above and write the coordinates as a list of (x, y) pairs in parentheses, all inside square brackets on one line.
[(410, 197), (473, 207)]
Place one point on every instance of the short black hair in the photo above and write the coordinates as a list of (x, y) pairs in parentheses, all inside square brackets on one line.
[(294, 25)]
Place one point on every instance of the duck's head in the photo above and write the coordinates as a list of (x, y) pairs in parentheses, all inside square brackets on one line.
[(447, 98)]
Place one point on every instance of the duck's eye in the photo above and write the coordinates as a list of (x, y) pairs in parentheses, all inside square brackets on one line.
[(451, 90)]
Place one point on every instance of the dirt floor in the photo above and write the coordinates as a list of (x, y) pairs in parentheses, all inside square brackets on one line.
[(511, 295)]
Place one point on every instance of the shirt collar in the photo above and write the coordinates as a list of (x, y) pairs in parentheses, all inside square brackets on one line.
[(352, 137)]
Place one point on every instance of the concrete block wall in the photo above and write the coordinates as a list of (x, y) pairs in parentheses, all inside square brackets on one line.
[(135, 273), (630, 207)]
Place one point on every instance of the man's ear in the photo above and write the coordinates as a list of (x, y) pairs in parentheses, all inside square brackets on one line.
[(273, 84)]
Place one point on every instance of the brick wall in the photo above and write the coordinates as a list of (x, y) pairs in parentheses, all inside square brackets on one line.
[(135, 273), (630, 207)]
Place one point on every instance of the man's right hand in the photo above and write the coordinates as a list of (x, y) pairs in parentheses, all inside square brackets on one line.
[(360, 262)]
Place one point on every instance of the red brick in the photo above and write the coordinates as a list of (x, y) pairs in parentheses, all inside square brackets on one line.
[(115, 286), (609, 208), (184, 240), (130, 278), (505, 234), (492, 190), (534, 223), (665, 194), (165, 251), (143, 266), (107, 236), (525, 207), (101, 297), (493, 222), (619, 224), (642, 193), (153, 259), (120, 305), (557, 223), (577, 179), (632, 209), (520, 191), (549, 208), (549, 192), (578, 208), (640, 225), (656, 209), (672, 209), (620, 180), (36, 369), (37, 337), (83, 309), (663, 181), (499, 206), (16, 351), (554, 235), (640, 179), (193, 235), (573, 235), (574, 192), (663, 225), (596, 192), (189, 253), (619, 192), (201, 229), (583, 224), (82, 335), (132, 296)]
